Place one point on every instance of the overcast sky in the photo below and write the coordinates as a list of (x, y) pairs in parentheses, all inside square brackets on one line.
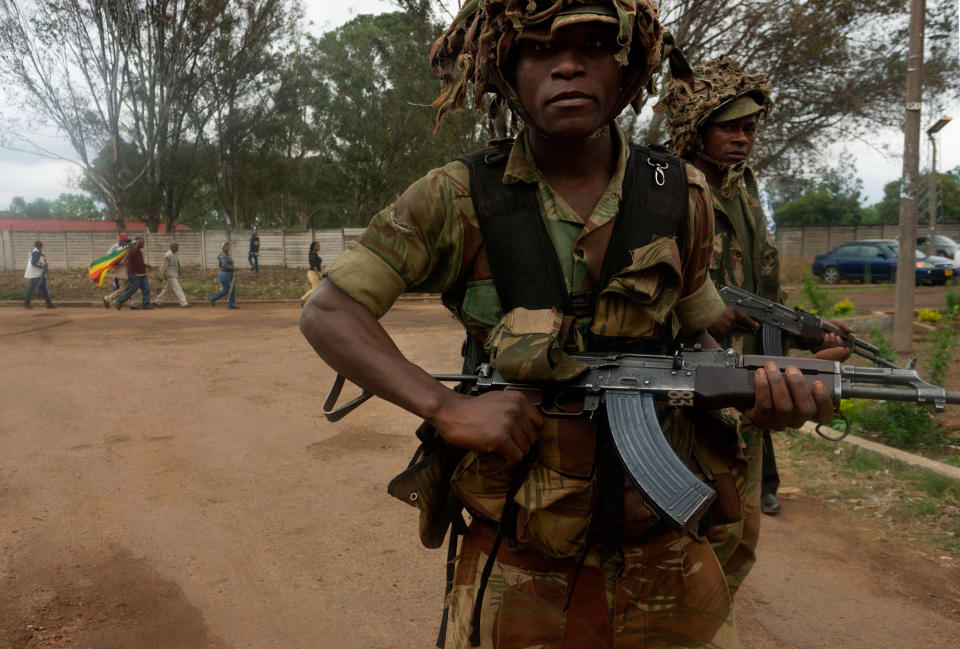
[(32, 177)]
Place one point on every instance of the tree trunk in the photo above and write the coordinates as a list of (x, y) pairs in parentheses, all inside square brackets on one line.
[(153, 217)]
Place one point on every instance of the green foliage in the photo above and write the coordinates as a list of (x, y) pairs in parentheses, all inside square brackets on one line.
[(945, 340), (928, 315), (374, 105), (817, 296), (824, 204), (74, 206), (843, 307), (953, 303), (879, 340), (905, 425), (948, 198)]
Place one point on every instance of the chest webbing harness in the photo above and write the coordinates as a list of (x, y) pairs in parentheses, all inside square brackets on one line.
[(527, 273)]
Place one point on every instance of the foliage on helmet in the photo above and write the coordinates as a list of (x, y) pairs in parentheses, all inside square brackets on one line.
[(469, 56), (686, 106)]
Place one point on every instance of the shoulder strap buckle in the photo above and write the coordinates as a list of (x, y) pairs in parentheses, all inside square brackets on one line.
[(658, 175)]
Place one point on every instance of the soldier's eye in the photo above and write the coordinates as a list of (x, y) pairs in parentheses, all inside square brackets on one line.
[(540, 46)]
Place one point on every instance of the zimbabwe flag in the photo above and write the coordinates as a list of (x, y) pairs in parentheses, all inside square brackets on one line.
[(100, 267)]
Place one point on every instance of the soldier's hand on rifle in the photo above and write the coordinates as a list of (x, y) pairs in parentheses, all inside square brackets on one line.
[(729, 320), (834, 348), (503, 422), (786, 400)]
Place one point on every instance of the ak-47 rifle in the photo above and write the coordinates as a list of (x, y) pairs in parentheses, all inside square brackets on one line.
[(626, 386), (806, 329)]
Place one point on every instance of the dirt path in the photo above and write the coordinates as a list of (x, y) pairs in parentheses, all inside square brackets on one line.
[(166, 480)]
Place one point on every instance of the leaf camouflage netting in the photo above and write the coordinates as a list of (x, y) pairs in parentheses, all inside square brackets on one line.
[(686, 106), (475, 49)]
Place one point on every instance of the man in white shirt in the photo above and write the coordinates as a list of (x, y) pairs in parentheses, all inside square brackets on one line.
[(36, 272)]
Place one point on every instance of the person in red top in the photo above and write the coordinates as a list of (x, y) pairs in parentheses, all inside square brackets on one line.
[(137, 270)]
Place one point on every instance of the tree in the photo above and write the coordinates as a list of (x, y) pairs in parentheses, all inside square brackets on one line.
[(826, 203), (18, 205), (38, 208), (212, 55), (373, 111), (65, 60), (75, 206), (948, 198)]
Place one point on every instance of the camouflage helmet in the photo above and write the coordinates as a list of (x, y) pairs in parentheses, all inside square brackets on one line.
[(688, 102), (473, 51)]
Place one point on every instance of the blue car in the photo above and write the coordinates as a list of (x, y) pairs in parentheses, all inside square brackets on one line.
[(877, 261)]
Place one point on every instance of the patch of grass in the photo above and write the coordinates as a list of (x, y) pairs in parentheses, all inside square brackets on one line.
[(907, 500)]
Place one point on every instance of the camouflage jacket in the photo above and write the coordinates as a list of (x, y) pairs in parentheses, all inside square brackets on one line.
[(728, 249), (429, 241)]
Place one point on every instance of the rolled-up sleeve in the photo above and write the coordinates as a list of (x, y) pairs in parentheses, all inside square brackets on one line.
[(414, 244)]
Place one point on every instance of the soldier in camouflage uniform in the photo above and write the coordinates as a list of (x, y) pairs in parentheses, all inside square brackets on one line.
[(566, 68), (712, 116)]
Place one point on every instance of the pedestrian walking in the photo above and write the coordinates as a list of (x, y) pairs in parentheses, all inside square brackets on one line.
[(253, 256), (137, 276), (36, 272), (121, 279), (170, 276), (313, 274), (227, 277)]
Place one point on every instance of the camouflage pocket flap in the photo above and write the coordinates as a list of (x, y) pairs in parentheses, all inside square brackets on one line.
[(643, 293), (527, 346)]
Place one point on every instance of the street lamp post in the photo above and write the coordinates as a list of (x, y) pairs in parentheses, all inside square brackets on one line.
[(933, 130)]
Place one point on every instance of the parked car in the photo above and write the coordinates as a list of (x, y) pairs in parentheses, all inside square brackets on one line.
[(877, 261), (946, 247)]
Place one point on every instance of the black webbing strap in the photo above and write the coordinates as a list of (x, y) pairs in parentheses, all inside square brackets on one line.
[(506, 529), (523, 261), (654, 203), (473, 355)]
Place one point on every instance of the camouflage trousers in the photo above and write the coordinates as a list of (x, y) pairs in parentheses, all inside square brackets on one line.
[(736, 544), (664, 593)]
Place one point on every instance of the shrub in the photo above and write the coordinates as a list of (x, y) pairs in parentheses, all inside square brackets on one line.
[(928, 315), (816, 295), (941, 357), (902, 424), (953, 303), (843, 307), (886, 350)]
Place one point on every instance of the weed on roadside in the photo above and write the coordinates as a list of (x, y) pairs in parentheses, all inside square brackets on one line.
[(909, 501), (816, 295)]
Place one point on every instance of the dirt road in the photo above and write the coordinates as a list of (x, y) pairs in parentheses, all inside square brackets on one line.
[(166, 481)]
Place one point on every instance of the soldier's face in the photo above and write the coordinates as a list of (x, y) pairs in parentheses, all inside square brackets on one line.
[(730, 142), (569, 85)]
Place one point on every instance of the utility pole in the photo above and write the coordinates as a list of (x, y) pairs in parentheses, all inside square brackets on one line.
[(906, 259), (933, 130)]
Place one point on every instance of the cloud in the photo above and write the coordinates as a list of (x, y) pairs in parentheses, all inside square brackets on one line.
[(38, 179)]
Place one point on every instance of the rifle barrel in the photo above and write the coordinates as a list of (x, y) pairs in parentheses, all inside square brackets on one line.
[(455, 378), (887, 393)]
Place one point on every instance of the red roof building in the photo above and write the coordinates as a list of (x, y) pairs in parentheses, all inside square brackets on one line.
[(58, 225)]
